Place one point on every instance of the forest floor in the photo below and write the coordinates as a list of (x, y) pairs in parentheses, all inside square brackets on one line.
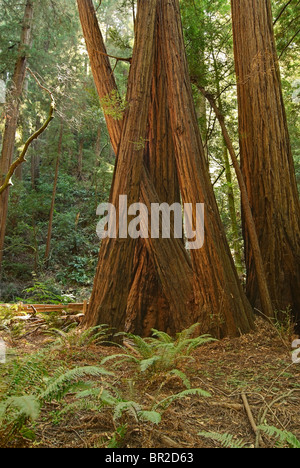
[(254, 372)]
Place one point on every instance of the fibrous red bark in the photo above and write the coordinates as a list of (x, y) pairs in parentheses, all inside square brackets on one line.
[(161, 114), (266, 157)]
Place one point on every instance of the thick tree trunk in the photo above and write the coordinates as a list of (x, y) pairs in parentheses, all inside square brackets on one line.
[(224, 307), (219, 295), (147, 306), (173, 269), (115, 268), (266, 157), (12, 116)]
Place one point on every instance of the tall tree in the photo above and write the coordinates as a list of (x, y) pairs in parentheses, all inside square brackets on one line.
[(218, 290), (12, 114), (147, 306), (219, 302), (56, 174), (266, 157)]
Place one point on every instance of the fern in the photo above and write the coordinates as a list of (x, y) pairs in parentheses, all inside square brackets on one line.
[(182, 376), (27, 407), (161, 352), (162, 336), (226, 440), (147, 363), (28, 375), (166, 402), (127, 406), (151, 416), (57, 387), (81, 339), (283, 436)]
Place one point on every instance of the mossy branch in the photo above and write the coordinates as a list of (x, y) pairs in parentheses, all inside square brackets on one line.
[(21, 159)]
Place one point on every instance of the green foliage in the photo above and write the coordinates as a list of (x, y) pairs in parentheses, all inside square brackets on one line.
[(32, 383), (114, 105), (74, 338), (284, 437), (162, 353), (45, 293), (225, 440)]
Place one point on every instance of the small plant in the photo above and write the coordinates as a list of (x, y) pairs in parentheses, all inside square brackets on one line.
[(113, 105), (162, 353), (225, 440), (229, 441), (140, 144), (75, 338), (284, 437), (32, 384), (45, 293), (285, 324)]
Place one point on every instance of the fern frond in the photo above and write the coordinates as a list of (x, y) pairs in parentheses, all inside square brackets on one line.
[(125, 406), (151, 416), (166, 402), (56, 387), (27, 407), (146, 363), (182, 376), (145, 349), (226, 440), (185, 334), (283, 436), (162, 336)]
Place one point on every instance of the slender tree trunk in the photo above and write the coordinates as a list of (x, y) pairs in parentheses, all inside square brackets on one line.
[(249, 221), (12, 116), (228, 175), (51, 215), (100, 64), (35, 158), (232, 211), (80, 159), (221, 299), (266, 158), (98, 142)]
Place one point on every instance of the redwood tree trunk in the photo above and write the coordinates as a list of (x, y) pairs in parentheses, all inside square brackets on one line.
[(266, 158), (220, 298), (147, 305), (223, 307), (12, 116), (152, 294), (115, 268)]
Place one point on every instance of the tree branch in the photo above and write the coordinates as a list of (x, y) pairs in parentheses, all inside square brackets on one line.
[(7, 181), (282, 11)]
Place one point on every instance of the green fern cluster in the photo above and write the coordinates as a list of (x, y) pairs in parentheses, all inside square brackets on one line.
[(31, 385), (162, 353), (229, 441), (74, 338), (283, 437)]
